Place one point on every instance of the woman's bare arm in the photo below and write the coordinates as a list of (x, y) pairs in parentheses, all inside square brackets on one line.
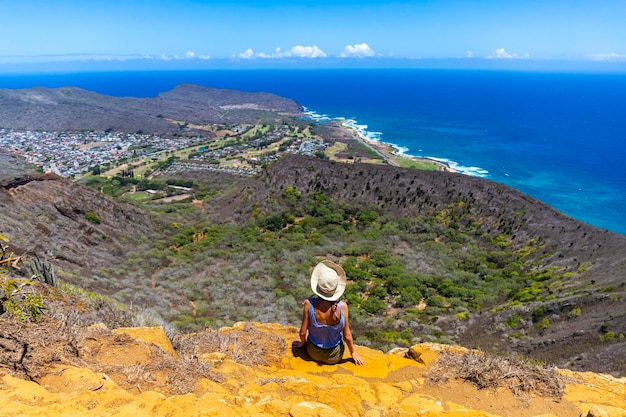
[(347, 336), (305, 324)]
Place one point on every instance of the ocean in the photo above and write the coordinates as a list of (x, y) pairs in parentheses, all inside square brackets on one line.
[(558, 137)]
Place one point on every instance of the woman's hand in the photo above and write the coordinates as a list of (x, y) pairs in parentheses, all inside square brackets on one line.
[(357, 359), (297, 344)]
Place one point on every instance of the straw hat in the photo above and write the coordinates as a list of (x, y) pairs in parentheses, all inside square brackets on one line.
[(328, 280)]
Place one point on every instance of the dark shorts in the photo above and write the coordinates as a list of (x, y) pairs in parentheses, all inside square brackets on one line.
[(328, 356)]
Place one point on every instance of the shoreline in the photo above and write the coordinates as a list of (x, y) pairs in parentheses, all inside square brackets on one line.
[(388, 151)]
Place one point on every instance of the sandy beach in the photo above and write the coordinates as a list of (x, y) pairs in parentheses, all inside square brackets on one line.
[(390, 155)]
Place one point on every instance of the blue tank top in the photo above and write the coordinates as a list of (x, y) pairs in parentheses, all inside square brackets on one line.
[(325, 336)]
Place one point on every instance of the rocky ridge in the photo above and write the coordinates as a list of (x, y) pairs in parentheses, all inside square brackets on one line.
[(497, 209), (125, 372)]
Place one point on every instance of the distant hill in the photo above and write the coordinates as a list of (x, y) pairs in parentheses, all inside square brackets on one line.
[(401, 192), (71, 108)]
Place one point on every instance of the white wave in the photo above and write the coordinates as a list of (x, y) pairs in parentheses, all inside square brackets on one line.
[(401, 150), (473, 171), (361, 130), (312, 114)]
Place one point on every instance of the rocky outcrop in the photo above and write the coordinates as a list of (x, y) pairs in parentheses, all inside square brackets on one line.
[(278, 381)]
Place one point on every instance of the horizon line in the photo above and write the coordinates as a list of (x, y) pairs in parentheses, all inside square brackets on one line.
[(133, 63)]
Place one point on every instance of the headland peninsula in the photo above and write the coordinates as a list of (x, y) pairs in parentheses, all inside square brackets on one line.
[(69, 131)]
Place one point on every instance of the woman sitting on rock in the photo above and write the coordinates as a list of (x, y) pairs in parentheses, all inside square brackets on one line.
[(325, 318)]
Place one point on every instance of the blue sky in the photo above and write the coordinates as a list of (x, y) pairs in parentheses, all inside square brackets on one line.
[(204, 33)]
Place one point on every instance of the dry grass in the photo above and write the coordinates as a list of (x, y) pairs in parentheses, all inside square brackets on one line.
[(276, 380), (180, 374), (26, 349), (248, 346), (488, 371)]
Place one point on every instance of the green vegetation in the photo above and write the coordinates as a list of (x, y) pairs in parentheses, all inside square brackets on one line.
[(405, 273), (416, 163), (17, 296), (259, 270), (575, 312), (18, 301), (93, 218), (359, 147), (141, 191)]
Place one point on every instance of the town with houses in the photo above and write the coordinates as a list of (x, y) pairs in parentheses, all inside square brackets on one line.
[(70, 154)]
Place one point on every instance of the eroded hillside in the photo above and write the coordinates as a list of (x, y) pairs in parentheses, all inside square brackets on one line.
[(432, 256), (78, 229), (476, 204), (544, 321)]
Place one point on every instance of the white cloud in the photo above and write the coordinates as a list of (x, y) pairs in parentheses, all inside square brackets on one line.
[(501, 53), (297, 51), (277, 54), (247, 54), (188, 55), (94, 57), (469, 54), (307, 52), (359, 50), (612, 56)]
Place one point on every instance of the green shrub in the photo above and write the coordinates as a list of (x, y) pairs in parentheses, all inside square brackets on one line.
[(539, 313), (612, 336), (514, 321), (584, 267), (575, 312), (93, 218), (463, 315), (292, 195), (373, 305), (544, 323), (501, 241), (23, 305), (367, 216)]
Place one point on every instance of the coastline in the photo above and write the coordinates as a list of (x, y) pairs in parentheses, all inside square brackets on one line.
[(389, 152)]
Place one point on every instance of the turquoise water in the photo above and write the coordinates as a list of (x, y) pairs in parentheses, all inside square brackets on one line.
[(559, 137)]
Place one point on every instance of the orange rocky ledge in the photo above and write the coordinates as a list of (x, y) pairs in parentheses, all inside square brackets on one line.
[(255, 372)]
